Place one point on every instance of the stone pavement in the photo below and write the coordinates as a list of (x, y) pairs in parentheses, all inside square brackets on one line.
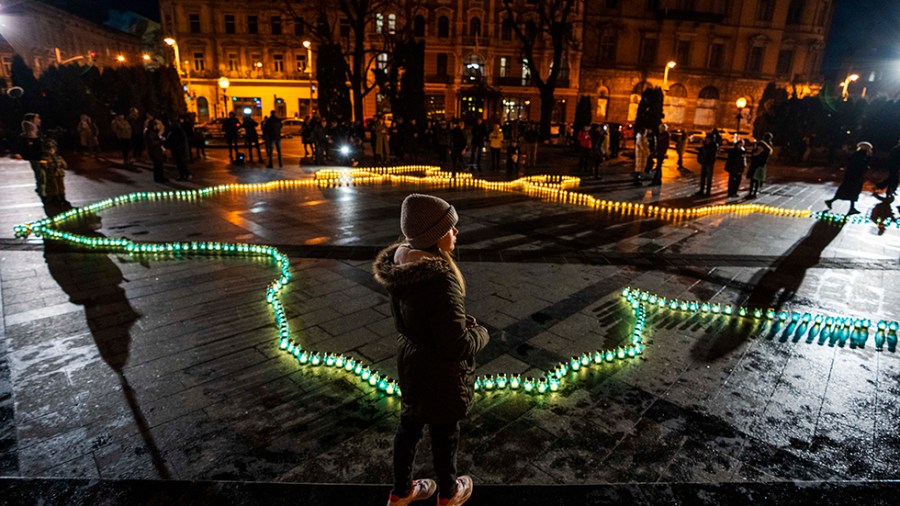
[(116, 367)]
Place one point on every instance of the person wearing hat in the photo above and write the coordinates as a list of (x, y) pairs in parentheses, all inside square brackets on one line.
[(852, 183), (437, 345)]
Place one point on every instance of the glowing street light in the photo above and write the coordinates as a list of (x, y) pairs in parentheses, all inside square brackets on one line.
[(224, 83), (146, 57), (120, 58), (170, 41), (669, 66), (844, 85), (740, 103)]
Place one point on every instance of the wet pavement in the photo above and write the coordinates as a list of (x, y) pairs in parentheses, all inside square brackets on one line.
[(119, 367)]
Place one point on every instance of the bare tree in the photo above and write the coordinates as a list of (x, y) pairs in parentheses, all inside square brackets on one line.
[(547, 22)]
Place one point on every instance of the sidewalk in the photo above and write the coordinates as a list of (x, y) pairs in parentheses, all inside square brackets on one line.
[(118, 367)]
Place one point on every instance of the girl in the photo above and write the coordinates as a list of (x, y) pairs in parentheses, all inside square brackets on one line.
[(437, 346)]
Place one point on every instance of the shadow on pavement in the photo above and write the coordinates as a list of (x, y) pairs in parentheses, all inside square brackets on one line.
[(772, 288), (92, 279)]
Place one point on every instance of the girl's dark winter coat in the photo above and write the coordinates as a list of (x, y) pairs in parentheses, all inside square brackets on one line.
[(436, 348)]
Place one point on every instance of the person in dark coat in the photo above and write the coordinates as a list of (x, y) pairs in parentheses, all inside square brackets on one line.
[(272, 134), (734, 166), (479, 134), (889, 185), (437, 345), (707, 158), (458, 145), (177, 142), (230, 127), (852, 184), (251, 138), (154, 143), (661, 150)]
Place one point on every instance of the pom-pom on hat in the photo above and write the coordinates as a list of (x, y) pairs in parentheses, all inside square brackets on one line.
[(425, 219)]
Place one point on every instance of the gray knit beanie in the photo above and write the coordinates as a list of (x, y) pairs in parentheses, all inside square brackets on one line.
[(425, 219)]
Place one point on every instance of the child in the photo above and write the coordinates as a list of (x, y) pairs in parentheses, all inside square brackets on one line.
[(55, 170)]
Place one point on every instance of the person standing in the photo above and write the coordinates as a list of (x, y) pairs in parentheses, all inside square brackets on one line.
[(479, 133), (437, 345), (890, 184), (852, 183), (531, 137), (707, 158), (31, 149), (122, 130), (251, 138), (680, 147), (177, 142), (734, 166), (512, 159), (458, 145), (153, 140), (584, 149), (230, 127), (495, 140), (758, 160), (641, 155), (88, 134), (598, 147), (662, 150), (272, 132), (55, 168), (137, 133), (382, 135)]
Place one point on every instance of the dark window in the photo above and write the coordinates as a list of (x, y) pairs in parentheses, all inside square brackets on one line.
[(607, 50), (199, 62), (299, 27), (530, 30), (252, 24), (419, 26), (683, 53), (442, 64), (795, 12), (785, 65), (443, 27), (229, 23), (716, 55), (612, 4), (686, 5), (276, 25), (194, 20), (652, 6), (475, 27), (765, 9), (755, 59), (345, 27), (506, 29), (648, 51)]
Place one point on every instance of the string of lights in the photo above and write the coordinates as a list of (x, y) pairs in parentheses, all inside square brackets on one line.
[(554, 188)]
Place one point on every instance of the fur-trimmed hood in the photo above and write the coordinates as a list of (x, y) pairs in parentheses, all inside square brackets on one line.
[(415, 267)]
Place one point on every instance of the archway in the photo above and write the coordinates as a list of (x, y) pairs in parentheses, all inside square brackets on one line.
[(202, 110), (675, 105), (707, 107)]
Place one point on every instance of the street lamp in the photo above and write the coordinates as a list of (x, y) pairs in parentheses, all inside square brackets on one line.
[(224, 84), (669, 66), (740, 103), (844, 85), (146, 57), (170, 41), (120, 58), (308, 45)]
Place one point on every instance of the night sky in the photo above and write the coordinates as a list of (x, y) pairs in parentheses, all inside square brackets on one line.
[(95, 10)]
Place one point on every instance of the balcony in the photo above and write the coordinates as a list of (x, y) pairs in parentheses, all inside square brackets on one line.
[(685, 15)]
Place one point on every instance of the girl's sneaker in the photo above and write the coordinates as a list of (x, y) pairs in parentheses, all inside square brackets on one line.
[(421, 490), (463, 492)]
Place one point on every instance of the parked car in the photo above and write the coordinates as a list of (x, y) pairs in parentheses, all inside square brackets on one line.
[(291, 127), (729, 136), (211, 129)]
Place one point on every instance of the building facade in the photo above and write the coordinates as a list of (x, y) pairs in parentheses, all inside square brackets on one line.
[(473, 62), (722, 50), (44, 36)]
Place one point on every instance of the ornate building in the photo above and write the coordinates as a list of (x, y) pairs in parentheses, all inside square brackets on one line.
[(722, 50), (473, 62), (43, 36)]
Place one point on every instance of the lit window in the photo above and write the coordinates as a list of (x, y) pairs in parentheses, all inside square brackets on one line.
[(199, 62), (278, 62)]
